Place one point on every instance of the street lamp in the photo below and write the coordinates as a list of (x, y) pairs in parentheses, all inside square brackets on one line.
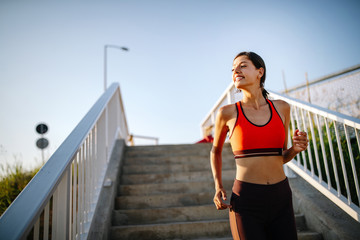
[(105, 60)]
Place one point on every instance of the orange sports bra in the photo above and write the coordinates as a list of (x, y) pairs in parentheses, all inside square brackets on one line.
[(250, 140)]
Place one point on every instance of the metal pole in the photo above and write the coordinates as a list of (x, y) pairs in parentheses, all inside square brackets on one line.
[(42, 156), (307, 87), (105, 61), (105, 67)]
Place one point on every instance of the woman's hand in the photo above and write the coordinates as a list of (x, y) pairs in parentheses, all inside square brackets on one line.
[(300, 141), (220, 205)]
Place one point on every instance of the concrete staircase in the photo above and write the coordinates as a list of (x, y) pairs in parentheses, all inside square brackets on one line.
[(166, 192)]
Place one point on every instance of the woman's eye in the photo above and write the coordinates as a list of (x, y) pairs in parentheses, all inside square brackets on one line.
[(241, 66)]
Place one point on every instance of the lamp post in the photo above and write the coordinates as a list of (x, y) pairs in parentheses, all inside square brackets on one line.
[(105, 60)]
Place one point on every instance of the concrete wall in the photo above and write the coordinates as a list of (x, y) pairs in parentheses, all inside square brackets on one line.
[(340, 94)]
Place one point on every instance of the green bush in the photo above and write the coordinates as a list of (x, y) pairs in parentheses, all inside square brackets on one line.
[(328, 157), (13, 181)]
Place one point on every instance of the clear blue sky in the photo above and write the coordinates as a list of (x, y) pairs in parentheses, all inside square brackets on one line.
[(51, 60)]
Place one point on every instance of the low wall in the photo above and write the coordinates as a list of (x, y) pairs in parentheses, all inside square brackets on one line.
[(101, 223), (321, 214)]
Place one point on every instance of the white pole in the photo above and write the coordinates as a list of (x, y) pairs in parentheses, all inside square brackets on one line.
[(105, 61), (105, 66)]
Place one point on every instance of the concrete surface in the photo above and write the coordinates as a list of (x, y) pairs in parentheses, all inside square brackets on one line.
[(321, 214), (163, 192), (100, 226), (166, 192)]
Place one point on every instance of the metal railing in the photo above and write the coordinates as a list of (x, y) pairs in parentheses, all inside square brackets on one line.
[(152, 139), (331, 162), (60, 201)]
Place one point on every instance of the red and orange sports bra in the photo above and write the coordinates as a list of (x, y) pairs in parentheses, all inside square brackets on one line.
[(250, 140)]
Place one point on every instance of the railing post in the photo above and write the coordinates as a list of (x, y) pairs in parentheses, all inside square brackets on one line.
[(37, 229), (332, 157), (309, 146), (61, 208), (353, 166), (75, 206), (338, 140), (315, 146), (70, 201), (106, 134), (46, 221), (323, 151)]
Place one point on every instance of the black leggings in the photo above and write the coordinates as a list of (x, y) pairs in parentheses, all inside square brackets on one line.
[(262, 212)]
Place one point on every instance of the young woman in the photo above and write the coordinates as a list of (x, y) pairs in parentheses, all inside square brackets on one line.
[(261, 201)]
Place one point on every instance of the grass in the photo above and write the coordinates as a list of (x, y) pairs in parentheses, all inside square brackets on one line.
[(13, 180)]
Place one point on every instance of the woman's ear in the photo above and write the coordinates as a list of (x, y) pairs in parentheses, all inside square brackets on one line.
[(261, 72)]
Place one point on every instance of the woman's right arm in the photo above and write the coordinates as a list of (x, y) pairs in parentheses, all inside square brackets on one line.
[(221, 130)]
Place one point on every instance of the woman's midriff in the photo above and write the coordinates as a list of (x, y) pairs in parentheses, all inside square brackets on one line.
[(260, 170)]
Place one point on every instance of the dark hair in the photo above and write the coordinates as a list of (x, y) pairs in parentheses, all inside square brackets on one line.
[(258, 63)]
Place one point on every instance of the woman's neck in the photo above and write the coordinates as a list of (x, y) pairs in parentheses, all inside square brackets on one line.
[(253, 99)]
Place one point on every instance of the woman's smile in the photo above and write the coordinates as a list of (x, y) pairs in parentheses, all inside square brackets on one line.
[(238, 78)]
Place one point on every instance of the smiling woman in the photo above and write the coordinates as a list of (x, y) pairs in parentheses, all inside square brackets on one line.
[(243, 63), (261, 201)]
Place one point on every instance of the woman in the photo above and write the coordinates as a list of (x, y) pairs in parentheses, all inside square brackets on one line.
[(261, 202)]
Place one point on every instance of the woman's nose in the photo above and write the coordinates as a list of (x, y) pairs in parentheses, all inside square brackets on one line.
[(238, 69)]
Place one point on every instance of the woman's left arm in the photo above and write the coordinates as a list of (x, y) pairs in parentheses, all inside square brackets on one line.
[(300, 141)]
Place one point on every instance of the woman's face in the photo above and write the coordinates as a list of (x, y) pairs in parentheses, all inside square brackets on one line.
[(244, 73)]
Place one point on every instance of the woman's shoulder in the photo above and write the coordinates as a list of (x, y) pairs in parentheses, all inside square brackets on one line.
[(227, 111), (281, 105)]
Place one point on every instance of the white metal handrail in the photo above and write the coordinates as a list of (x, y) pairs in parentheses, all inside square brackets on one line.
[(132, 136), (331, 162), (60, 201)]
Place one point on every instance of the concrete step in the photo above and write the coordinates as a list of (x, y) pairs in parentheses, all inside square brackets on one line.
[(223, 238), (174, 177), (178, 200), (166, 152), (163, 167), (306, 235), (175, 149), (174, 159), (199, 150), (309, 235), (215, 229), (166, 192), (169, 147), (175, 167), (169, 214), (177, 214), (164, 200), (300, 222), (178, 230), (168, 188)]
